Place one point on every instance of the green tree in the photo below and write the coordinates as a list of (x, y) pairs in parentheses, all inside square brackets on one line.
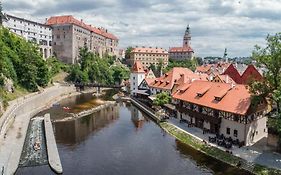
[(128, 52), (162, 98), (21, 61), (191, 64), (269, 57), (120, 73)]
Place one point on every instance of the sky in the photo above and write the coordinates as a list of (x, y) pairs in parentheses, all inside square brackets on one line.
[(237, 25)]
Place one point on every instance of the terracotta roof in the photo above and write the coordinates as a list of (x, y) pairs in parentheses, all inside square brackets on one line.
[(226, 79), (138, 67), (69, 19), (181, 49), (204, 68), (234, 99), (149, 50), (180, 74), (149, 80)]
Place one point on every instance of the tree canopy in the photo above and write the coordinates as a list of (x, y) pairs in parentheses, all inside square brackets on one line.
[(162, 98), (93, 69), (191, 64), (21, 61), (269, 57)]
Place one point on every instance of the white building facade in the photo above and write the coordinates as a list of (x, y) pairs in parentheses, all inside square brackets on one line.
[(39, 33)]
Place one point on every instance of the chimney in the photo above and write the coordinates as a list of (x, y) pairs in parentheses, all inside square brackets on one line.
[(81, 20)]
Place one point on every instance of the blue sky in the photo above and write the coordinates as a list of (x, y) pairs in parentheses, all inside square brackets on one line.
[(215, 24)]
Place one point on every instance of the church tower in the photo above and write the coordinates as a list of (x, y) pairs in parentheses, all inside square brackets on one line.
[(187, 37)]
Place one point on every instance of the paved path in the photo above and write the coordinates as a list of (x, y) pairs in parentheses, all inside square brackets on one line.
[(11, 145), (250, 153)]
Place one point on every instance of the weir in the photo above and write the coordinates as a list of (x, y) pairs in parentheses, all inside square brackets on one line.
[(52, 150)]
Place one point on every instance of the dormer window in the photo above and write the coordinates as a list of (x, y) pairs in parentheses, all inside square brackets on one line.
[(218, 98)]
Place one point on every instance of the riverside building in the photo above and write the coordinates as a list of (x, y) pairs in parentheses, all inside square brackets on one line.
[(70, 34), (222, 108), (36, 32)]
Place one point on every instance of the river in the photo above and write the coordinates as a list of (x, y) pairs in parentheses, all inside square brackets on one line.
[(121, 140)]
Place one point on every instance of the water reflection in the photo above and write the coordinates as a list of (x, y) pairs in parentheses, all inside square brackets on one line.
[(75, 131), (137, 117)]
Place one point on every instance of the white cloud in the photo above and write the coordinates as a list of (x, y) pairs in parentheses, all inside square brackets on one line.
[(215, 24)]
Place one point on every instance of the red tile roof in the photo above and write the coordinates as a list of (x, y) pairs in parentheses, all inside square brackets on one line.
[(138, 67), (69, 19), (149, 50), (204, 68), (181, 49), (234, 99), (226, 79), (180, 74)]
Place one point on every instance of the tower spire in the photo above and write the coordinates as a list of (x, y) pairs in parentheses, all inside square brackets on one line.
[(187, 37)]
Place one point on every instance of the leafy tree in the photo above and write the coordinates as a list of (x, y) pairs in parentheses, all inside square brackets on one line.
[(77, 75), (152, 67), (191, 64), (162, 98), (21, 61), (120, 73), (128, 52), (270, 58)]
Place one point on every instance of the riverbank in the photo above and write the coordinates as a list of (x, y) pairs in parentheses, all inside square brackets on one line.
[(216, 153), (212, 151), (16, 118)]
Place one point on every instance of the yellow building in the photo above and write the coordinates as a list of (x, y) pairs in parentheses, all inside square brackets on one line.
[(148, 56)]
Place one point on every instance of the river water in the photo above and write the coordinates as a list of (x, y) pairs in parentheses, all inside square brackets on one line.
[(121, 140)]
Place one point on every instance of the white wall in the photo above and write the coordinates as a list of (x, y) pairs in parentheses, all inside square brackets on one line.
[(135, 81), (253, 131), (256, 130)]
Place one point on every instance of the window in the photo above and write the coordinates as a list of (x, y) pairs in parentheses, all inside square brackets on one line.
[(228, 131), (134, 78), (235, 133)]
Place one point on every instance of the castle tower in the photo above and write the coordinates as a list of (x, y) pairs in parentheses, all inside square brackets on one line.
[(187, 37)]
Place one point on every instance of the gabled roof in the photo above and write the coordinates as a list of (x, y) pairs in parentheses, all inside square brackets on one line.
[(177, 75), (138, 67), (234, 99), (181, 49), (69, 19), (225, 79)]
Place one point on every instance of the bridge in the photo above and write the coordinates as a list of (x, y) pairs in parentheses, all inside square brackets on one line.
[(81, 86)]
